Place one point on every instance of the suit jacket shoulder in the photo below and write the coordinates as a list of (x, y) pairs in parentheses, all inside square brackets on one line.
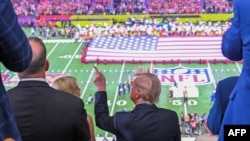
[(60, 116)]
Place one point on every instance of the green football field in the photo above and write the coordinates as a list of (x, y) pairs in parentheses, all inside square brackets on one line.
[(64, 59)]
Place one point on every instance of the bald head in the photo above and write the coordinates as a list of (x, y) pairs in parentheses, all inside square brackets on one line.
[(38, 62)]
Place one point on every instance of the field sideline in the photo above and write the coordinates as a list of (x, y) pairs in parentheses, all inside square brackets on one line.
[(64, 59)]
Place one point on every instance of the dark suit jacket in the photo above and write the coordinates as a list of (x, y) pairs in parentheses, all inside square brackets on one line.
[(144, 123), (236, 46), (45, 114), (216, 113)]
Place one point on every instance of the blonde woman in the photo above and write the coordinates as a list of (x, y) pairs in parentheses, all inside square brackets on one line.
[(69, 84)]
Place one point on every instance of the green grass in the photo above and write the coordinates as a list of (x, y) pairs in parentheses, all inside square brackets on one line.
[(64, 58)]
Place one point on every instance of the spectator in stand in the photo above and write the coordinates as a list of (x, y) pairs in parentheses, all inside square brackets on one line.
[(174, 7), (79, 7), (146, 122), (15, 55), (45, 7), (69, 84), (37, 106), (101, 6), (217, 6)]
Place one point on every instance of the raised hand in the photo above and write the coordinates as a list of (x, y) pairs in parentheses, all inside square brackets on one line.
[(99, 80)]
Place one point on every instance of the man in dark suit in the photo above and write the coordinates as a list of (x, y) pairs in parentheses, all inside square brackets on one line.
[(41, 112), (146, 122), (236, 47)]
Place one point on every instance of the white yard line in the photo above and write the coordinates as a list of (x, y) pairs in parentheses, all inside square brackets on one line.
[(70, 63), (116, 93), (185, 108), (211, 74), (87, 84), (52, 50), (238, 66), (72, 58), (212, 79)]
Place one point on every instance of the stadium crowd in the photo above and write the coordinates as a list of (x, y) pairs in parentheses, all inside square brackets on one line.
[(150, 27), (68, 7), (192, 122), (142, 28), (168, 28)]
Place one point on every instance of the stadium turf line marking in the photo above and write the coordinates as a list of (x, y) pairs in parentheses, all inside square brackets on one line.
[(151, 68), (116, 93), (211, 74), (52, 49), (237, 65), (87, 84), (72, 58), (184, 104), (185, 109)]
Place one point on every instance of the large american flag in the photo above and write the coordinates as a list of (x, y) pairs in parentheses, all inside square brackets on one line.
[(152, 48)]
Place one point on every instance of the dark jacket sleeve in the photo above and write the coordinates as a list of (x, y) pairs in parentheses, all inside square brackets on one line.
[(102, 118), (215, 114), (231, 40), (15, 51)]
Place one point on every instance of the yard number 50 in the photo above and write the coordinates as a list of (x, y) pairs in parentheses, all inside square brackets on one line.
[(189, 102)]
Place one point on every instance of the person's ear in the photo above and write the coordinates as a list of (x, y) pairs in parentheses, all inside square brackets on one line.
[(46, 65), (137, 95)]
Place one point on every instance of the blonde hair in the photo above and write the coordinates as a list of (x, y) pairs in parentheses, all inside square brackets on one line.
[(149, 86), (67, 84)]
